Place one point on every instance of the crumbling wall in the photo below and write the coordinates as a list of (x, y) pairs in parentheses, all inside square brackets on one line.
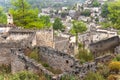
[(62, 45), (104, 58), (5, 56), (56, 59), (21, 62), (65, 62), (44, 38), (104, 45)]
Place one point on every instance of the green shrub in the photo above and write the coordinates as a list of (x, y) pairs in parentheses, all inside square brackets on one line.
[(86, 12), (95, 3), (68, 77), (117, 58), (2, 77), (24, 75), (103, 69), (84, 56), (94, 76), (34, 55)]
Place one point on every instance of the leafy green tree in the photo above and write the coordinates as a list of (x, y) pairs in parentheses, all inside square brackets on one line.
[(64, 14), (25, 16), (114, 14), (95, 3), (57, 25), (86, 12), (3, 18), (45, 20), (78, 27), (105, 11)]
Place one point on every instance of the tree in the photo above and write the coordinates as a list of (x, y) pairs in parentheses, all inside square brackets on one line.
[(105, 11), (3, 18), (45, 20), (95, 3), (25, 16), (86, 12), (57, 25), (114, 14), (78, 27)]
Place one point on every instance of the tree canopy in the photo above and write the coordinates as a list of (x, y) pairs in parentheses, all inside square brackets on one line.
[(57, 25), (3, 18), (114, 14), (78, 27), (95, 3), (105, 11), (26, 17)]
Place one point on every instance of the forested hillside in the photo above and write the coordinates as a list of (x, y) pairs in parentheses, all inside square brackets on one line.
[(44, 3)]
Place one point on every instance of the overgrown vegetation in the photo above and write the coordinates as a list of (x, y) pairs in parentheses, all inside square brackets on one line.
[(84, 55), (23, 75), (69, 77), (94, 76), (114, 66), (86, 12), (3, 18), (95, 3)]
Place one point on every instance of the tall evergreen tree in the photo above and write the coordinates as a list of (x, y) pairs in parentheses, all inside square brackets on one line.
[(25, 16), (3, 18)]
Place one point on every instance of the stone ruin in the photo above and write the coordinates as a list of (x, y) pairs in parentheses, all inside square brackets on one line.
[(56, 59), (15, 57), (102, 49), (17, 40)]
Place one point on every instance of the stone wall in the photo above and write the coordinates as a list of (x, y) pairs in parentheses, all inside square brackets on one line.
[(65, 62), (44, 38), (21, 62), (5, 56), (56, 59), (62, 45), (104, 58), (104, 45)]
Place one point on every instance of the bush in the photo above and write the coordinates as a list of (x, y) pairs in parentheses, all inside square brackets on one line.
[(68, 77), (34, 55), (84, 56), (117, 58), (94, 76), (95, 3), (103, 70), (86, 12), (114, 66), (24, 75)]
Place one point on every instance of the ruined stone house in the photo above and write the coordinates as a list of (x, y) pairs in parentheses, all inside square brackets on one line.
[(104, 45)]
